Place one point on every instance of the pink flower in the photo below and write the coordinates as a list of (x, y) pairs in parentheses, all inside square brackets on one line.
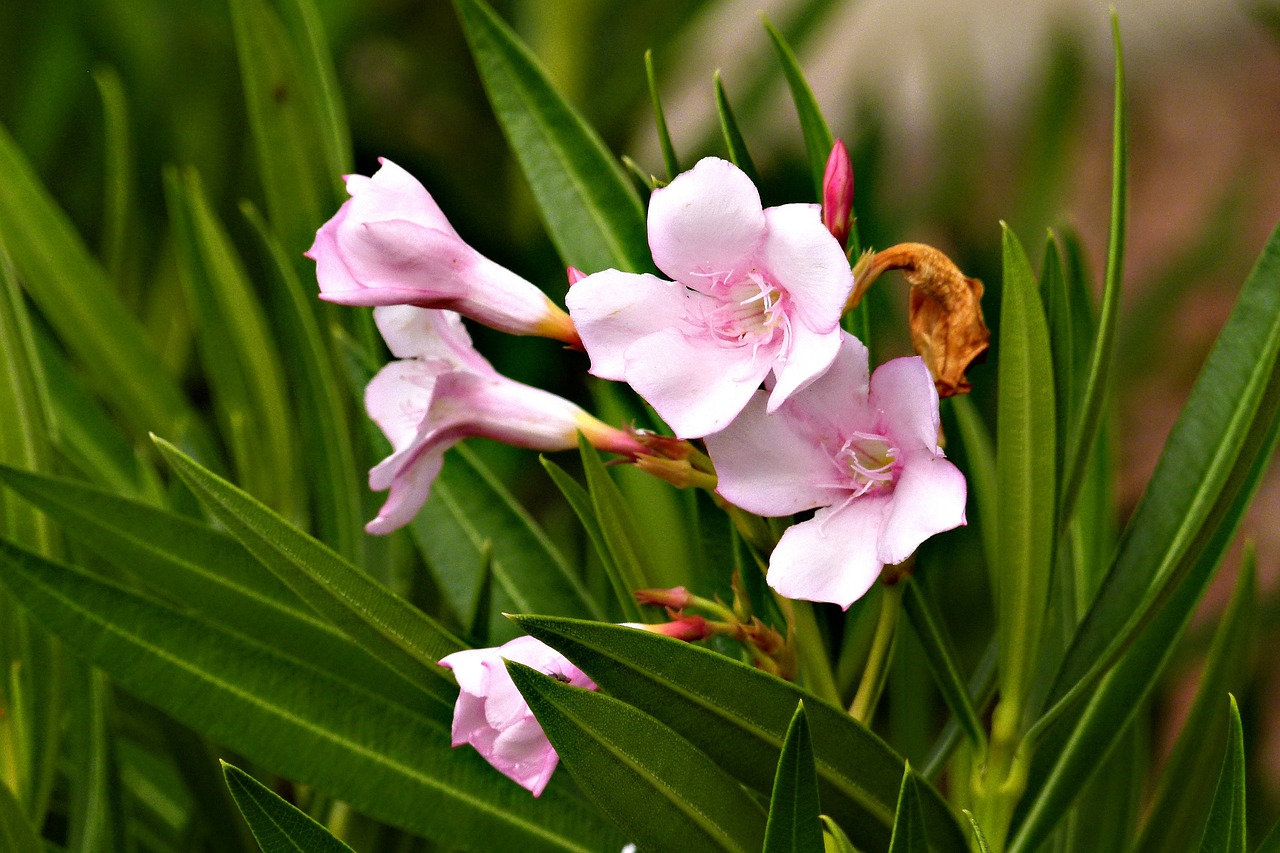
[(864, 453), (442, 391), (492, 716), (837, 193), (756, 292), (390, 244)]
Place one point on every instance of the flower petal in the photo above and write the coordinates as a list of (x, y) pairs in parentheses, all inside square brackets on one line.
[(928, 498), (808, 357), (397, 399), (835, 403), (410, 486), (770, 464), (800, 255), (426, 333), (833, 556), (696, 385), (612, 310), (707, 220), (903, 391), (392, 193)]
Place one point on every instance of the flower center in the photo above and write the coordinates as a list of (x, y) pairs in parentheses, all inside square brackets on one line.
[(867, 459), (742, 311)]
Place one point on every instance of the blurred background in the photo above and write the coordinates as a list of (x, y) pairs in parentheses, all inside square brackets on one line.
[(959, 114)]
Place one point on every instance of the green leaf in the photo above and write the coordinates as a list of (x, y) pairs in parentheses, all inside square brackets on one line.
[(592, 213), (469, 507), (978, 836), (239, 353), (92, 784), (1176, 808), (733, 140), (980, 472), (833, 838), (118, 181), (1225, 831), (940, 658), (908, 821), (656, 786), (1068, 312), (278, 825), (626, 546), (818, 140), (793, 808), (660, 120), (16, 832), (385, 760), (739, 715), (1271, 843), (1095, 389), (73, 294), (283, 96), (207, 571), (388, 627), (1025, 445)]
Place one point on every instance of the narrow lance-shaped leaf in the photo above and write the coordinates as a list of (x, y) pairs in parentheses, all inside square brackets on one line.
[(279, 826), (389, 762), (1225, 831), (591, 211), (656, 786), (908, 822), (813, 126), (733, 139), (16, 831), (941, 660), (118, 181), (700, 694), (388, 627), (794, 825), (669, 158), (617, 524)]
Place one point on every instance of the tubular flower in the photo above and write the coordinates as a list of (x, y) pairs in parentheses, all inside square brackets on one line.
[(390, 244), (837, 193), (864, 453), (442, 391), (756, 292), (493, 717)]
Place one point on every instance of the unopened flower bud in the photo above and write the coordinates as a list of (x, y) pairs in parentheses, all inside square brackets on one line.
[(687, 628), (677, 598), (837, 193), (575, 275)]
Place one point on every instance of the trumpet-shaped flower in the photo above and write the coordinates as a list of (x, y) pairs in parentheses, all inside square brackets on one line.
[(442, 391), (865, 453), (757, 292), (390, 244), (493, 716)]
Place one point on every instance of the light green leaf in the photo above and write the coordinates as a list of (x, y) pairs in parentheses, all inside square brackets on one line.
[(279, 826), (239, 353), (739, 715), (388, 627), (657, 787), (627, 548), (908, 821), (1225, 831), (1025, 443), (118, 181), (385, 760), (833, 838), (978, 836), (733, 139), (669, 158), (73, 293), (16, 832), (1177, 807), (592, 213), (92, 819), (208, 572), (793, 807)]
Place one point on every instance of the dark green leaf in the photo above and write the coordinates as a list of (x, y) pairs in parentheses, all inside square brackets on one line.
[(16, 832), (733, 140), (627, 548), (818, 140), (279, 826), (1225, 831), (908, 821), (794, 808), (656, 786), (591, 211), (940, 658), (739, 715), (660, 120), (118, 181)]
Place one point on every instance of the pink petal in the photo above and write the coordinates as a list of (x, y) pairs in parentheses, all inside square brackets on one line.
[(426, 333), (835, 403), (708, 220), (696, 385), (493, 406), (397, 399), (903, 391), (928, 498), (524, 755), (468, 668), (809, 356), (770, 464), (833, 556), (801, 256), (612, 310), (392, 193), (410, 487)]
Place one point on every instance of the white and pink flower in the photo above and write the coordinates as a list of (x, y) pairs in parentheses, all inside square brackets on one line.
[(863, 452), (756, 293), (442, 391), (494, 717), (390, 244)]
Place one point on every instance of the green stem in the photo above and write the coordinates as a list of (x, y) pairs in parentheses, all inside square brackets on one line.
[(877, 669), (810, 649)]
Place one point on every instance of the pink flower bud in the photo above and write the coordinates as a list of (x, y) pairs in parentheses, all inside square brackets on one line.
[(493, 716), (677, 598), (575, 275), (687, 628), (837, 193)]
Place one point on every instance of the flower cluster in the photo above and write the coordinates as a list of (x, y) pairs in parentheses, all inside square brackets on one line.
[(740, 347)]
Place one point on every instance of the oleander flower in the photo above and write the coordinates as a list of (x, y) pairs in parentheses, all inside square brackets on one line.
[(442, 391), (493, 716), (864, 453), (390, 244), (756, 292)]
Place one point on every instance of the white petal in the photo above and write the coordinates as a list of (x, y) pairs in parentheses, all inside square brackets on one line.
[(928, 498), (903, 391), (807, 358), (835, 403), (428, 333), (833, 556), (392, 193), (708, 220), (397, 399), (612, 310), (801, 256), (410, 488)]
